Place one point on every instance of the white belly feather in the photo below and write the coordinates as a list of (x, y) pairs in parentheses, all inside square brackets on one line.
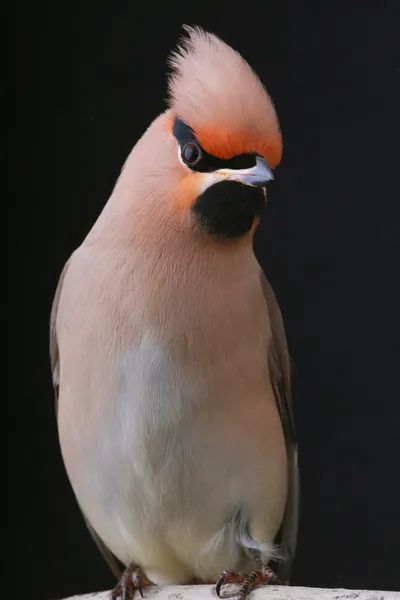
[(161, 479)]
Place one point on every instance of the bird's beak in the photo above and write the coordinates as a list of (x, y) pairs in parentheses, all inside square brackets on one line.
[(257, 176)]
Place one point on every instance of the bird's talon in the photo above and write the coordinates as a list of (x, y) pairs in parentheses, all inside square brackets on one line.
[(138, 583), (220, 581), (228, 577), (249, 581), (131, 580)]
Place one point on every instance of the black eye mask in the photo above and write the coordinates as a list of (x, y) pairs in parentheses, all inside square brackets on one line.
[(208, 163)]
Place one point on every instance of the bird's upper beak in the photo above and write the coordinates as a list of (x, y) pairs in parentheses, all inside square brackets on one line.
[(257, 176)]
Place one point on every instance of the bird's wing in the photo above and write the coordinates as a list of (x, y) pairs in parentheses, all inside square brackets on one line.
[(55, 369), (279, 364)]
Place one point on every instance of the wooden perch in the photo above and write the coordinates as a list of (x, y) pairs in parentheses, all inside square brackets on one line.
[(206, 592)]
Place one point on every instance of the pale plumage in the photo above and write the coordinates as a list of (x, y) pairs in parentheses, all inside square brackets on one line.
[(169, 355)]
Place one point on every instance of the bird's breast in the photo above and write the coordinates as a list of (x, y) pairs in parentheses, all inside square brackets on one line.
[(163, 389)]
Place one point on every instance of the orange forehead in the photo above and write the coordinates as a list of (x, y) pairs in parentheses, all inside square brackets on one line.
[(225, 143)]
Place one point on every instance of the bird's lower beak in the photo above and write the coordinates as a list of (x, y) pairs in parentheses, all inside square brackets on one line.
[(257, 176)]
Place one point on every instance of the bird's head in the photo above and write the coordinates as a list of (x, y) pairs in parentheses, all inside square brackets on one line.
[(214, 149), (226, 135)]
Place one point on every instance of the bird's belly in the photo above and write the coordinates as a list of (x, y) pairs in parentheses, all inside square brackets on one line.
[(176, 459)]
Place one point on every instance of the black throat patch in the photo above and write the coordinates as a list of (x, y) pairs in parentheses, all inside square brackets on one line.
[(228, 209)]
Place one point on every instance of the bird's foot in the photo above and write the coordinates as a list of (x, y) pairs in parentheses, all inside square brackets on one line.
[(132, 579), (249, 581)]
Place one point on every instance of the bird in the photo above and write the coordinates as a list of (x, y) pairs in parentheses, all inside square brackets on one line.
[(169, 355)]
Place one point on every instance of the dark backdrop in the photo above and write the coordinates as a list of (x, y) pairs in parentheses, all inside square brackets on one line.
[(90, 78)]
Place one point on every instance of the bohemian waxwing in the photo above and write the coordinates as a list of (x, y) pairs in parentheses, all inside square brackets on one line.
[(168, 351)]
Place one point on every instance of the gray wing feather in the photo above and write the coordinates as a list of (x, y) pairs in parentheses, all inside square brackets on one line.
[(279, 363), (55, 368)]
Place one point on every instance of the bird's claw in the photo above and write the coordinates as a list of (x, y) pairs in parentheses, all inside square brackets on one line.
[(228, 577), (138, 583), (132, 579), (249, 581)]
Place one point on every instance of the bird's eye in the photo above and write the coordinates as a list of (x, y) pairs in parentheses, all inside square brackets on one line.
[(191, 154)]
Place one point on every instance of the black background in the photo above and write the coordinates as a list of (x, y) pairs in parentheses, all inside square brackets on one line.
[(90, 78)]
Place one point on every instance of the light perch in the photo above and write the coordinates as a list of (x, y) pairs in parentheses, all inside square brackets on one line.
[(206, 592)]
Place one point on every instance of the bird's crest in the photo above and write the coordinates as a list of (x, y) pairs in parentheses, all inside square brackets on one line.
[(215, 91)]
